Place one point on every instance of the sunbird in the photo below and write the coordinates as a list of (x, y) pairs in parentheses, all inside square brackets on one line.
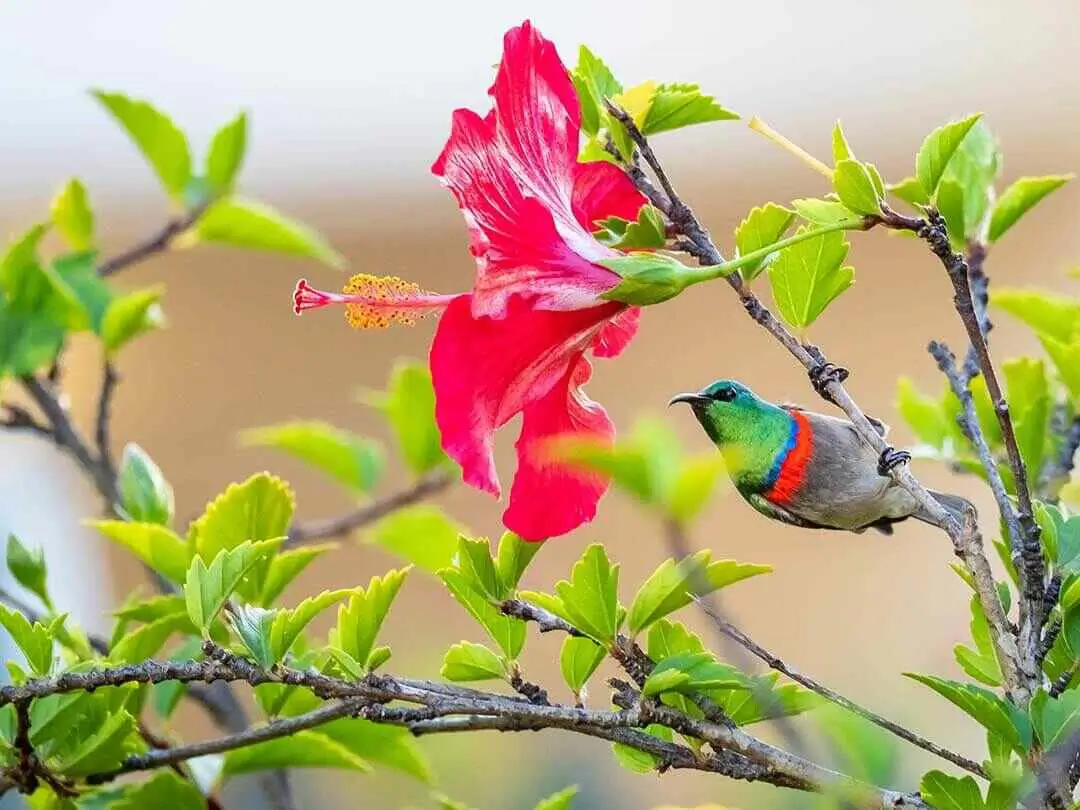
[(805, 468)]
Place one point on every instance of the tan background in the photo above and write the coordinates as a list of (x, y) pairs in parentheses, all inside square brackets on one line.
[(344, 129)]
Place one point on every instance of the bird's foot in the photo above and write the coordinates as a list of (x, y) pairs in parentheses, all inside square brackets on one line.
[(823, 374), (890, 458)]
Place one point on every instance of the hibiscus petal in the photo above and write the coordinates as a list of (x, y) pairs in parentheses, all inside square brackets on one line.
[(617, 333), (603, 190), (486, 370), (549, 498)]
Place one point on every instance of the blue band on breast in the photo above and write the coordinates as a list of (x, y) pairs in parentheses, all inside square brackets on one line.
[(781, 457)]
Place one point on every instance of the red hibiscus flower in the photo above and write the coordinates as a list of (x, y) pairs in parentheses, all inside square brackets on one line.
[(517, 343)]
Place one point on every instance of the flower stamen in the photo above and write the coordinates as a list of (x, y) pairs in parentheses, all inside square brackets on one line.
[(373, 302)]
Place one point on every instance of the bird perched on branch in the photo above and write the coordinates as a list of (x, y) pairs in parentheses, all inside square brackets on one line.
[(805, 468)]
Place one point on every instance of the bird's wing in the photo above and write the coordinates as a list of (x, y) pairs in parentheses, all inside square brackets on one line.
[(881, 428), (770, 509)]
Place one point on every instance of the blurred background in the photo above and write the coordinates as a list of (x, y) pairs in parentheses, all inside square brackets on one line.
[(350, 102)]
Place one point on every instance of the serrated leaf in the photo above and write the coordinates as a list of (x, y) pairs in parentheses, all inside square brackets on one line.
[(287, 566), (289, 623), (841, 149), (856, 188), (822, 212), (923, 414), (421, 534), (145, 642), (409, 406), (594, 83), (104, 748), (762, 227), (131, 315), (157, 546), (248, 224), (1019, 198), (648, 232), (35, 640), (806, 277), (72, 215), (1050, 314), (226, 154), (207, 587), (641, 761), (28, 568), (512, 558), (346, 457), (381, 744), (1055, 719), (467, 661), (984, 707), (253, 625), (910, 190), (162, 143), (690, 672), (359, 621), (973, 168), (1030, 408), (578, 660), (950, 202), (681, 105), (508, 633), (591, 596), (261, 508), (944, 792), (673, 585), (937, 150), (304, 749)]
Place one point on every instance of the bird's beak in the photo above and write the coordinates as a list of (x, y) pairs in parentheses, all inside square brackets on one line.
[(692, 400)]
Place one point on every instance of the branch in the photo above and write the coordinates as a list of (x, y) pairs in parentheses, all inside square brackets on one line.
[(965, 536), (158, 243), (737, 635), (18, 418), (545, 620), (312, 531), (109, 380)]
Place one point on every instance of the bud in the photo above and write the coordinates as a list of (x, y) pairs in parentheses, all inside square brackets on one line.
[(649, 278), (145, 496)]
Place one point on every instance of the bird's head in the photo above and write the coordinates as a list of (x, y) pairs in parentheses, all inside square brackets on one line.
[(727, 410)]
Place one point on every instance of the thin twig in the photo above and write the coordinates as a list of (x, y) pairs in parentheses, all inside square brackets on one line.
[(773, 662), (545, 620), (325, 529), (158, 243), (18, 418), (109, 380)]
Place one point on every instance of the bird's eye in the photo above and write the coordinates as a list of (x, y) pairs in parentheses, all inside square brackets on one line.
[(725, 395)]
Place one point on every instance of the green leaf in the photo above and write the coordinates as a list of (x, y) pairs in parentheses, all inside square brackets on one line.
[(261, 508), (691, 672), (855, 187), (950, 202), (409, 406), (247, 224), (1049, 314), (591, 596), (1030, 407), (207, 588), (980, 663), (937, 150), (641, 761), (673, 585), (287, 566), (841, 150), (984, 707), (143, 644), (1055, 719), (822, 212), (381, 744), (29, 569), (76, 281), (681, 105), (165, 789), (513, 557), (944, 792), (762, 227), (593, 82), (103, 746), (73, 217), (578, 660), (910, 190), (505, 631), (808, 276), (1019, 198), (157, 546), (466, 661), (304, 749), (131, 315), (289, 623), (349, 459), (1066, 359), (696, 481), (647, 232), (226, 154), (647, 278), (359, 621), (420, 534), (923, 414), (563, 800), (145, 494), (973, 169), (34, 640), (253, 625), (162, 143)]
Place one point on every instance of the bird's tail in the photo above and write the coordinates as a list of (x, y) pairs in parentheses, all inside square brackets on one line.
[(956, 506)]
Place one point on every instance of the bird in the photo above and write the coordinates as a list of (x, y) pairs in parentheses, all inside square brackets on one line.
[(807, 469)]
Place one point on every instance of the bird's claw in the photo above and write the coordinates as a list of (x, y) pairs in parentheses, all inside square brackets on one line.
[(823, 374), (890, 458)]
